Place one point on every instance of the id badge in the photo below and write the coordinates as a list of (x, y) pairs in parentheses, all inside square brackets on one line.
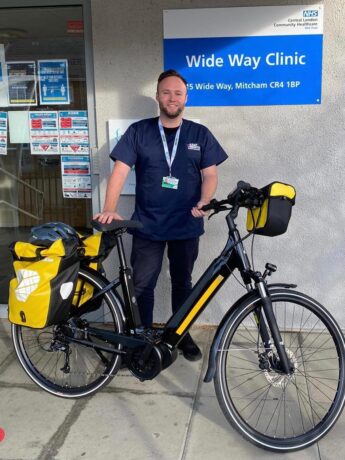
[(170, 182)]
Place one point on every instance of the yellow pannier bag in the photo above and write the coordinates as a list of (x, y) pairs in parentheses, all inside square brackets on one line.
[(273, 216), (45, 280), (96, 248)]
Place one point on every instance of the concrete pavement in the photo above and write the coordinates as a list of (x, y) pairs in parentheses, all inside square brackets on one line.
[(174, 417)]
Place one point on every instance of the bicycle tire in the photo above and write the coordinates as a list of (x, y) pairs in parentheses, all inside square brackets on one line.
[(253, 399), (90, 370)]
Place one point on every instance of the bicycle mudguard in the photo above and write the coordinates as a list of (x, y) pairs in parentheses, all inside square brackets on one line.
[(211, 369)]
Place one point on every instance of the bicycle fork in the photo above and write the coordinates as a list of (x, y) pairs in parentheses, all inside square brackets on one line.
[(285, 363)]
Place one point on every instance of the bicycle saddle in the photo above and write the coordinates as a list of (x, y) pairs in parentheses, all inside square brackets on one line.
[(116, 225)]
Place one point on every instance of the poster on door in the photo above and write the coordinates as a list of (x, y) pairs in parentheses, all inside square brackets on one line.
[(21, 83), (3, 77), (44, 133), (76, 176), (53, 81), (74, 132), (3, 133)]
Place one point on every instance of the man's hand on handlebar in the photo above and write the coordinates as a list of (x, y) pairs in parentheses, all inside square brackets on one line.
[(244, 195), (197, 211), (106, 217)]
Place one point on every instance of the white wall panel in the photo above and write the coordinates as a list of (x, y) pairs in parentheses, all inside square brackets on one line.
[(302, 145)]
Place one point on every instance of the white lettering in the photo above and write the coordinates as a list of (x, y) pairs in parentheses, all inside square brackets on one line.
[(279, 58), (242, 60), (201, 60), (193, 61), (224, 86), (206, 86)]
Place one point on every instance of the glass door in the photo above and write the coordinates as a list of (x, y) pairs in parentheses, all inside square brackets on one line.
[(44, 139)]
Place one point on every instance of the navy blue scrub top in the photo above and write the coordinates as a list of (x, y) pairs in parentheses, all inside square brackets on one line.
[(166, 213)]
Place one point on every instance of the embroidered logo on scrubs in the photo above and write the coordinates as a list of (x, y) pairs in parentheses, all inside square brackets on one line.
[(193, 146)]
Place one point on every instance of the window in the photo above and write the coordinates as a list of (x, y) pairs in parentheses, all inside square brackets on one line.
[(43, 124)]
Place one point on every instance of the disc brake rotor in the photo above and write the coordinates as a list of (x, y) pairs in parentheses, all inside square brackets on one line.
[(281, 380)]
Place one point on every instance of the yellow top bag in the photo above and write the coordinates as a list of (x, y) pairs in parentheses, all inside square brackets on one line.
[(273, 216)]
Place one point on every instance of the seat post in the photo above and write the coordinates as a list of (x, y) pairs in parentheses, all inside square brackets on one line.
[(128, 290), (121, 252)]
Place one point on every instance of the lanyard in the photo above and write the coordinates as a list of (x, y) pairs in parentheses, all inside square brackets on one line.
[(170, 159)]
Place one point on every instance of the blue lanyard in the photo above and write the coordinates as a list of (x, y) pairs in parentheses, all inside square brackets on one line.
[(169, 159)]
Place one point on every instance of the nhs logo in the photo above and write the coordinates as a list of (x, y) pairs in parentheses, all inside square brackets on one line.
[(310, 13)]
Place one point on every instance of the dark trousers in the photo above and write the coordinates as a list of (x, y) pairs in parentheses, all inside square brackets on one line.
[(146, 261)]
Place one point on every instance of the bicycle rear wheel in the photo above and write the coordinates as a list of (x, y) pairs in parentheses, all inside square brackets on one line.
[(69, 369), (270, 409)]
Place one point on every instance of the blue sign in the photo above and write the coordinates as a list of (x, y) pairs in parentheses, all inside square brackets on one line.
[(247, 56), (251, 71), (53, 81)]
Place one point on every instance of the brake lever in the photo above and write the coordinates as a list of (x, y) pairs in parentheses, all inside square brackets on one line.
[(216, 211)]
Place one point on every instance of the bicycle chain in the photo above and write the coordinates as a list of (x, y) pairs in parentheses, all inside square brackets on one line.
[(155, 333)]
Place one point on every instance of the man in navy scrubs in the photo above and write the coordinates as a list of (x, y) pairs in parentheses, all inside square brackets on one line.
[(176, 174)]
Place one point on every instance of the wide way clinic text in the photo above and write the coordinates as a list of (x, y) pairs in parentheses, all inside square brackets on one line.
[(277, 58)]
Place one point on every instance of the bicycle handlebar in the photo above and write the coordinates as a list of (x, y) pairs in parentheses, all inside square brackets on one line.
[(244, 196)]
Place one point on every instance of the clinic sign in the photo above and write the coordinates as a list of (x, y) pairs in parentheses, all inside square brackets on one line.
[(268, 55)]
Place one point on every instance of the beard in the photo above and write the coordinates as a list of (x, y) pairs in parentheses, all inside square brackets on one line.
[(170, 114)]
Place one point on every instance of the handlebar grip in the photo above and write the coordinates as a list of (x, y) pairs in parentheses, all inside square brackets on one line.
[(235, 194), (210, 206), (244, 195), (243, 185)]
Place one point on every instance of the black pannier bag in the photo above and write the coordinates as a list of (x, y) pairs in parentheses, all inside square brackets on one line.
[(273, 216)]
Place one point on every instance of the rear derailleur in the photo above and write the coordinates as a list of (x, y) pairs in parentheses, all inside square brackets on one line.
[(58, 344)]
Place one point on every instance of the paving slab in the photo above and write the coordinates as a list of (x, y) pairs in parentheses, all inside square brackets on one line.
[(128, 426), (211, 436), (5, 328), (181, 377), (174, 417), (332, 445), (11, 372), (6, 346), (30, 418)]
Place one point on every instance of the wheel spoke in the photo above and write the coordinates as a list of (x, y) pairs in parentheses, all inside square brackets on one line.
[(67, 368), (279, 407)]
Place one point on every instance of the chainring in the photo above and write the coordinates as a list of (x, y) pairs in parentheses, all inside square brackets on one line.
[(147, 370)]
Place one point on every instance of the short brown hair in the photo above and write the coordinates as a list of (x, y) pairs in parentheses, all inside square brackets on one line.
[(170, 73)]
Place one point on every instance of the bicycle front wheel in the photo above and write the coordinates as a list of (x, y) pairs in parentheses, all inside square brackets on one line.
[(68, 369), (273, 410)]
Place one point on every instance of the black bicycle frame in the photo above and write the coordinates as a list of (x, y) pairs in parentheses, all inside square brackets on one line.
[(233, 256)]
